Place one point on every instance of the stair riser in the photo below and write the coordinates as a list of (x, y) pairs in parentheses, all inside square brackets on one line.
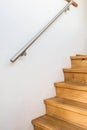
[(67, 115), (79, 63), (72, 94), (38, 128), (75, 77)]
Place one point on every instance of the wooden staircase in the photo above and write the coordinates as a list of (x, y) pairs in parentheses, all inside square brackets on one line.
[(68, 110)]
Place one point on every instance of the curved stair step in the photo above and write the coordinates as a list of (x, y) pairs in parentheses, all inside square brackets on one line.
[(51, 123), (79, 61), (68, 110), (75, 75), (72, 91)]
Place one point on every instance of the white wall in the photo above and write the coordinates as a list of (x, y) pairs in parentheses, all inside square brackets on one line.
[(26, 83)]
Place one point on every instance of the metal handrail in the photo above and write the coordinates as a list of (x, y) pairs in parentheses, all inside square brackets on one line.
[(22, 51)]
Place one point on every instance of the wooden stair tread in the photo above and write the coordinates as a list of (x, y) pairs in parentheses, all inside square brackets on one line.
[(76, 70), (78, 57), (51, 123), (70, 85), (70, 105)]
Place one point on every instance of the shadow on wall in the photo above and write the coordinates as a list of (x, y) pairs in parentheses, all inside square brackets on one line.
[(85, 10)]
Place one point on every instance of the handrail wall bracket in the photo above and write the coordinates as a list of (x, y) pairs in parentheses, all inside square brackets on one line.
[(73, 3)]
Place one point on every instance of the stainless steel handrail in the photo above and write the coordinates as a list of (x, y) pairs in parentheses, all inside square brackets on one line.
[(22, 51)]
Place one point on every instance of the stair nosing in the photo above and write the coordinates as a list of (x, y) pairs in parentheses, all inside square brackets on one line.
[(74, 86), (75, 70)]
